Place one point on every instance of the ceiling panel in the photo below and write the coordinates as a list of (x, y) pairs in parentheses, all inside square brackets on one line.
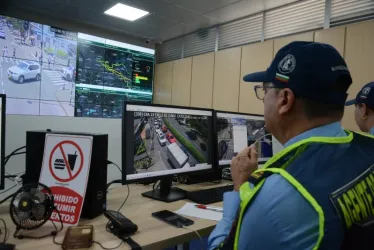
[(167, 18), (188, 17), (101, 6), (174, 31), (147, 5), (204, 6), (245, 8), (155, 21)]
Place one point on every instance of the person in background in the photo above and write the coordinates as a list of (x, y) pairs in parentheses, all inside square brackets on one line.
[(305, 196), (364, 108), (49, 61), (5, 51)]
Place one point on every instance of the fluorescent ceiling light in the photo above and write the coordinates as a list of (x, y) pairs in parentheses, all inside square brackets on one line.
[(126, 12)]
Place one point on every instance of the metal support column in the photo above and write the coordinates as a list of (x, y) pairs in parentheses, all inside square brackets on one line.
[(326, 24), (217, 39), (263, 27)]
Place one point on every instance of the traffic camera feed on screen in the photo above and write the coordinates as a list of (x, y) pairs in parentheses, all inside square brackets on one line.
[(35, 74), (47, 70), (236, 131), (169, 141)]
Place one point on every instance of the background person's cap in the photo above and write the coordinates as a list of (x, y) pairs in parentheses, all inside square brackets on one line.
[(365, 95), (311, 70)]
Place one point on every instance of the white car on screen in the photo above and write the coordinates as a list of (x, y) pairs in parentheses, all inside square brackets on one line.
[(161, 138), (158, 131), (68, 73), (25, 71)]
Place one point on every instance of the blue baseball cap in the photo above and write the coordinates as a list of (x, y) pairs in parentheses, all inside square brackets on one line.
[(365, 95), (311, 70)]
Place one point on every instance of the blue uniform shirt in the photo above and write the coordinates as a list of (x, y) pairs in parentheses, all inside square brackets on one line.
[(371, 131), (270, 222)]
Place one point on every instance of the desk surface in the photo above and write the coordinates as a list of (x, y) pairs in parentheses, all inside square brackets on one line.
[(152, 234)]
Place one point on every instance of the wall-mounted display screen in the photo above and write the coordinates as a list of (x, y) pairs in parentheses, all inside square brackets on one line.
[(47, 70)]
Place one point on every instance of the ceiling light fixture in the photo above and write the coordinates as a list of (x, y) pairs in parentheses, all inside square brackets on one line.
[(126, 12)]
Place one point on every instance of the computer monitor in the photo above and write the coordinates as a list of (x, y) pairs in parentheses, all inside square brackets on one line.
[(235, 131), (159, 142), (2, 139)]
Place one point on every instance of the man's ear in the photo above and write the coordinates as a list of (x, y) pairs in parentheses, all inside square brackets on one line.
[(365, 110), (286, 101)]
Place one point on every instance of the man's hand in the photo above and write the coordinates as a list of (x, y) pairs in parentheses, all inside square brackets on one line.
[(243, 165)]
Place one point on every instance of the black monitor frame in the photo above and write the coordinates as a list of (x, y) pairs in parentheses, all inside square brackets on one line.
[(2, 150), (165, 193), (216, 160)]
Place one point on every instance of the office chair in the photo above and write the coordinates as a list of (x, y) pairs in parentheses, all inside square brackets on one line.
[(360, 236)]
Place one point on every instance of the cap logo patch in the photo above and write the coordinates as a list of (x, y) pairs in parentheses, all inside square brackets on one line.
[(366, 91), (287, 64)]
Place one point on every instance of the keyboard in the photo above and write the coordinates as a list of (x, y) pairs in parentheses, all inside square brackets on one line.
[(209, 196)]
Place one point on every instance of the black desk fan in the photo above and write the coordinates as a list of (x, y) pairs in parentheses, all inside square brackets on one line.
[(31, 207)]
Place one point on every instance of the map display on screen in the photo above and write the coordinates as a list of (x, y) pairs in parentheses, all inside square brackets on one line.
[(110, 73), (48, 70)]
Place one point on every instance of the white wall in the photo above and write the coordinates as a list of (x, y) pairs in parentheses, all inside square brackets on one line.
[(17, 125)]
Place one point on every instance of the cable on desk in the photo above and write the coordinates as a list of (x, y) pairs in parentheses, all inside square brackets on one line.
[(6, 159), (115, 181), (128, 194), (54, 233), (110, 162), (106, 248), (5, 231), (197, 233), (7, 191), (119, 181)]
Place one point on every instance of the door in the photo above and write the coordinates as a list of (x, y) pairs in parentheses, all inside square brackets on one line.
[(33, 71), (28, 73)]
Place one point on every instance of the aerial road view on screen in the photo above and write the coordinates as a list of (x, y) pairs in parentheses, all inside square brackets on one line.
[(169, 141), (235, 133), (37, 67)]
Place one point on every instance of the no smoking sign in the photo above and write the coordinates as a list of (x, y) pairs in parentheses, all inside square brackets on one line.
[(66, 161)]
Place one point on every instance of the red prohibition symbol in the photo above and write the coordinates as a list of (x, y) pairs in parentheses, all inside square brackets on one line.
[(68, 168)]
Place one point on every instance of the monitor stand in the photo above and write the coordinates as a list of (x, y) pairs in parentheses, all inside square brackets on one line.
[(166, 193)]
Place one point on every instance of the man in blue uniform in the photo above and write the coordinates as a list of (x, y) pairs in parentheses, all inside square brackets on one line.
[(310, 193), (364, 108)]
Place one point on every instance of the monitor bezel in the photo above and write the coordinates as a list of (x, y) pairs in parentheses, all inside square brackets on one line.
[(3, 124), (216, 160), (155, 178)]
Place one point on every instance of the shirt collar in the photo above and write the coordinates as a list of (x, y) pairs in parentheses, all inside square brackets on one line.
[(330, 130), (372, 131)]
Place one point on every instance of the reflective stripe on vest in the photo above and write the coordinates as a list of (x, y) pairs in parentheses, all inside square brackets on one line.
[(247, 194)]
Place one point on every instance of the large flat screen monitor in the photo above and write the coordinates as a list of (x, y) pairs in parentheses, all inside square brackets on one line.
[(47, 70), (235, 131), (161, 141), (2, 139)]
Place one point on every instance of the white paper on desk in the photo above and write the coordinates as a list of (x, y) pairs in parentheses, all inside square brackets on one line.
[(189, 209)]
